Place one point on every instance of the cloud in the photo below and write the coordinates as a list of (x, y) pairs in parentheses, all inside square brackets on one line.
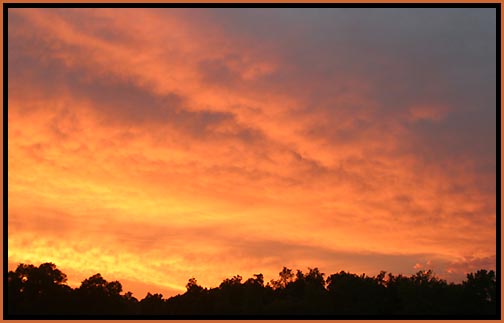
[(250, 139), (182, 248), (217, 72)]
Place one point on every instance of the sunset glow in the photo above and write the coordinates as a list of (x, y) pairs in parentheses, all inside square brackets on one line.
[(156, 145)]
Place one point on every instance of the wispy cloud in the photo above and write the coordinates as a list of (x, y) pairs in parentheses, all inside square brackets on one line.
[(215, 142)]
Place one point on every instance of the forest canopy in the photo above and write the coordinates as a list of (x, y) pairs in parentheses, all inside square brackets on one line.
[(43, 290)]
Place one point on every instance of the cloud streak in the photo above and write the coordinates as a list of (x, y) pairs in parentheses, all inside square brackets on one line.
[(215, 142)]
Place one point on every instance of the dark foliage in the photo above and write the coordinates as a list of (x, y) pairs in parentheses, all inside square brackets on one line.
[(43, 291)]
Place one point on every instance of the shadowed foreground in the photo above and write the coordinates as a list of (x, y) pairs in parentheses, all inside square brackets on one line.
[(42, 290)]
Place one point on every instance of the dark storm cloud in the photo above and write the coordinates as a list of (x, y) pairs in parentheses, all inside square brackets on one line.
[(408, 56)]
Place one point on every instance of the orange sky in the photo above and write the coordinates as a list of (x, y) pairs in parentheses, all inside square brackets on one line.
[(157, 145)]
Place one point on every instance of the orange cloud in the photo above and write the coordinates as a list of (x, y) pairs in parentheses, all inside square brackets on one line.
[(177, 147)]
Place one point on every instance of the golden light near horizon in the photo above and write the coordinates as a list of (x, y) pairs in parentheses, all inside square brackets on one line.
[(155, 145)]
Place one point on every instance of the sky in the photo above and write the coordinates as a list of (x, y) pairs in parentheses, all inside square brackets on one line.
[(156, 145)]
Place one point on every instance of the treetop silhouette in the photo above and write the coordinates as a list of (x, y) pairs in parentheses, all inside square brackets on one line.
[(43, 290)]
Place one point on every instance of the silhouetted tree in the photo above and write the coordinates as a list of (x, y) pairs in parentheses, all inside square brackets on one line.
[(36, 290), (152, 304), (349, 292), (286, 277), (480, 292), (193, 287), (42, 290), (100, 296)]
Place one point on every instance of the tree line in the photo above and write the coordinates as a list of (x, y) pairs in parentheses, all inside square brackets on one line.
[(43, 290)]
